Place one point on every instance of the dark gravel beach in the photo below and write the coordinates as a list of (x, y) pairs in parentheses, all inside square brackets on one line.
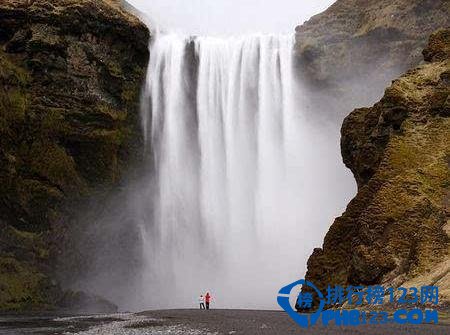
[(273, 322), (193, 322)]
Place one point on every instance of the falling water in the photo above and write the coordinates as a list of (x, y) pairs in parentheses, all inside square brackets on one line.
[(230, 206)]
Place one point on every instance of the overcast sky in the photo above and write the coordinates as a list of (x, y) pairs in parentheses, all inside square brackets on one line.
[(219, 17)]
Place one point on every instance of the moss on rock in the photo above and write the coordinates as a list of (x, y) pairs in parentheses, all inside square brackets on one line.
[(395, 231), (70, 76), (348, 54)]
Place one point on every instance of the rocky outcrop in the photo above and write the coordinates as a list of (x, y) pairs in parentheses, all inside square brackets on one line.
[(396, 231), (348, 54), (70, 78)]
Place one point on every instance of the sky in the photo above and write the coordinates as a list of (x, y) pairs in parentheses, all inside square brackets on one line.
[(229, 17)]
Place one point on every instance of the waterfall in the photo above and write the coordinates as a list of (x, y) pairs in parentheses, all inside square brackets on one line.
[(229, 204)]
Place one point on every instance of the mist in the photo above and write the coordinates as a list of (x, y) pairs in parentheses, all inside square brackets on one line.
[(225, 17), (240, 181), (241, 184)]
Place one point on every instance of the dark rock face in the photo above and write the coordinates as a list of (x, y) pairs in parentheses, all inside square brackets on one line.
[(348, 54), (70, 78), (438, 48), (396, 230)]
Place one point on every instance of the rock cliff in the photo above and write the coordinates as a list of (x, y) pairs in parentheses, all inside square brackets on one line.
[(396, 230), (348, 54), (70, 78)]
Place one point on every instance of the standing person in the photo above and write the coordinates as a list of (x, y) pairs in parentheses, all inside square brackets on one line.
[(201, 301), (207, 300)]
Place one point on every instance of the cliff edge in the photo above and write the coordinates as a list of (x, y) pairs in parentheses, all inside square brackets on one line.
[(396, 231), (70, 78), (348, 54)]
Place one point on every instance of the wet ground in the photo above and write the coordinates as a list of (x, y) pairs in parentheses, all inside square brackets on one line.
[(192, 322)]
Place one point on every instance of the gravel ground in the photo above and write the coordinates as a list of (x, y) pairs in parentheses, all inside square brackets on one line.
[(194, 322), (274, 322)]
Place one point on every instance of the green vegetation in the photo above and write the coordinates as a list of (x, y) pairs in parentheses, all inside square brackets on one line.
[(396, 230), (11, 74), (69, 94), (21, 285)]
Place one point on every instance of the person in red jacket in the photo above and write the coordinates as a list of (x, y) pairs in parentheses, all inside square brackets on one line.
[(207, 300)]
